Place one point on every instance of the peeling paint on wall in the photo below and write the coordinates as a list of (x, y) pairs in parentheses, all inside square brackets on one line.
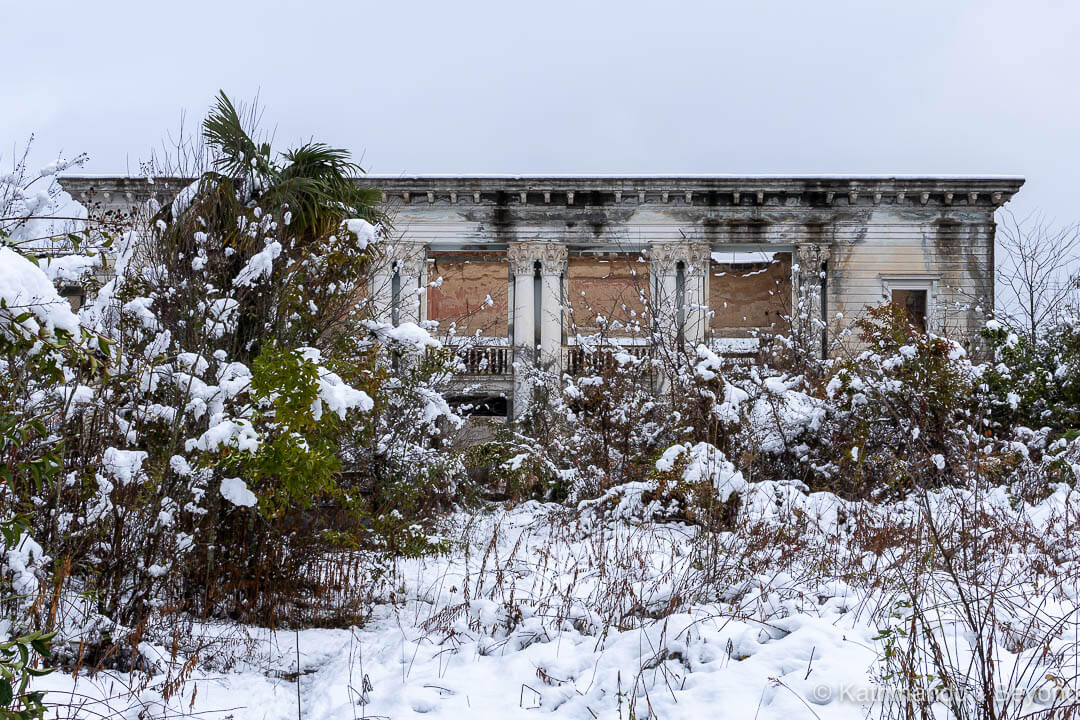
[(472, 296), (615, 288), (744, 297)]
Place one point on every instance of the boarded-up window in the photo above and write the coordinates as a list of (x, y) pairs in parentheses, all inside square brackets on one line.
[(607, 293), (748, 291), (914, 302), (473, 293)]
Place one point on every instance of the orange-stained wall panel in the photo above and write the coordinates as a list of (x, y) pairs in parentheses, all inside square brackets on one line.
[(609, 287), (468, 280), (745, 297)]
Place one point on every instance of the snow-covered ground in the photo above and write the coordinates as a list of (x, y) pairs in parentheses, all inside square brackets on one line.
[(606, 613)]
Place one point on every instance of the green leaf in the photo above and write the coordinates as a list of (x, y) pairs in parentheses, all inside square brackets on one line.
[(41, 645)]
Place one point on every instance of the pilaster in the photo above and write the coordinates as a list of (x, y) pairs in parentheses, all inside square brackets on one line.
[(682, 308), (809, 284), (551, 260)]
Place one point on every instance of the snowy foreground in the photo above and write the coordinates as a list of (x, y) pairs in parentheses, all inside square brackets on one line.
[(604, 613)]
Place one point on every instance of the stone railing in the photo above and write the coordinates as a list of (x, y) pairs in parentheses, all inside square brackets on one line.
[(487, 360), (497, 360), (578, 360)]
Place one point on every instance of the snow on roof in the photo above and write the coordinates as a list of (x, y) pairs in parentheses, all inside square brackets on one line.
[(636, 176), (690, 176)]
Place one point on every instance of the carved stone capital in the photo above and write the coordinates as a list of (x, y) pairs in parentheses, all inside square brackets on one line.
[(523, 257), (697, 259), (553, 258), (520, 258), (811, 255), (666, 257)]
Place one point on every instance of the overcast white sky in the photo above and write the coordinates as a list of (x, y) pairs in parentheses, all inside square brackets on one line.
[(943, 86)]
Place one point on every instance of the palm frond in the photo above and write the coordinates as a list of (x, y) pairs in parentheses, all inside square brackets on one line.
[(235, 153), (316, 181)]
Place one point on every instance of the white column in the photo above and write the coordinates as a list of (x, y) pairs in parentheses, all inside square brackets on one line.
[(664, 258), (382, 284), (412, 273), (553, 258), (691, 307), (523, 257), (696, 299), (522, 265), (408, 262), (807, 278)]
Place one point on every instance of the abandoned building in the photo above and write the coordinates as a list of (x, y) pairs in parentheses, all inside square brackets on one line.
[(536, 268)]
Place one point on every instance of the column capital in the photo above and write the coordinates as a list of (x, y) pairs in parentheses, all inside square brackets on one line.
[(523, 257), (666, 255), (811, 254), (553, 259)]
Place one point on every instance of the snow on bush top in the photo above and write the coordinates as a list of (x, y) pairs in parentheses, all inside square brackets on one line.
[(408, 334), (24, 286), (71, 269), (259, 266), (334, 393), (236, 491), (366, 233), (705, 463)]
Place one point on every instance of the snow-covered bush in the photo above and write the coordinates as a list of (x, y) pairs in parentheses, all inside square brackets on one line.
[(513, 467), (907, 410), (602, 426), (207, 397), (402, 458), (899, 411), (1036, 384), (38, 340)]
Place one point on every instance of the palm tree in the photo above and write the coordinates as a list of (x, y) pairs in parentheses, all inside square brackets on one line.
[(314, 180), (308, 192), (250, 201)]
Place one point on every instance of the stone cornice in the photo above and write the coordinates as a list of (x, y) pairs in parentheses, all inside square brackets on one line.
[(625, 191), (697, 191)]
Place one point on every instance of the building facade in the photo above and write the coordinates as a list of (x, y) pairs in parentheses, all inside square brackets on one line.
[(534, 268)]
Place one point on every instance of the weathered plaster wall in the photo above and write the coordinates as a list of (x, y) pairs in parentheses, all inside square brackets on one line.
[(868, 229), (469, 280), (615, 287), (952, 251), (742, 297)]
